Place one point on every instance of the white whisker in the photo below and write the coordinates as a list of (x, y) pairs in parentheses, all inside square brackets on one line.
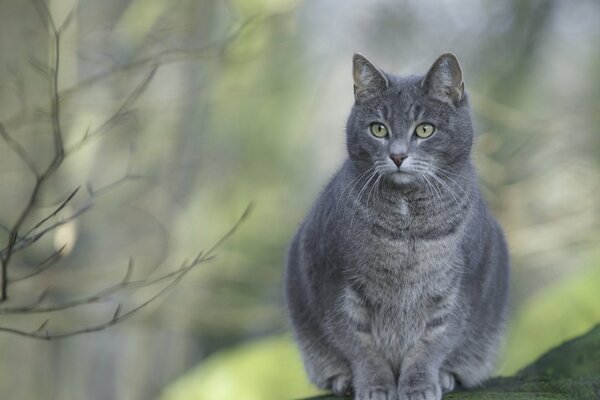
[(430, 184), (445, 186), (375, 185), (455, 186), (357, 200), (353, 183)]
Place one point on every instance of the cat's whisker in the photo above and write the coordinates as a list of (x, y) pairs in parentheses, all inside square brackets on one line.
[(365, 185), (360, 193), (444, 185), (375, 185), (446, 175), (448, 183), (424, 164), (430, 184), (352, 184), (457, 185)]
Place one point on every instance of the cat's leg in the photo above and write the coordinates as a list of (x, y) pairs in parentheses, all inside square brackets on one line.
[(420, 380), (325, 366), (349, 327), (473, 360), (422, 376)]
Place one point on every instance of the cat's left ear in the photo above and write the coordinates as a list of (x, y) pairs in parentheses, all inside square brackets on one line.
[(444, 80), (369, 81)]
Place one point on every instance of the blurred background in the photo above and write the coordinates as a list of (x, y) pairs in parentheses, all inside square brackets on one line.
[(214, 104)]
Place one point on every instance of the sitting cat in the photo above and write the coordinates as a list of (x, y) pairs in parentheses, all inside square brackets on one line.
[(397, 280)]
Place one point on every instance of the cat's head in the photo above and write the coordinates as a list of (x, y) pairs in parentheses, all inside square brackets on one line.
[(408, 128)]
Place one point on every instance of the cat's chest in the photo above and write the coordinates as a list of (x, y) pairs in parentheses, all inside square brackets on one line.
[(400, 284), (402, 261)]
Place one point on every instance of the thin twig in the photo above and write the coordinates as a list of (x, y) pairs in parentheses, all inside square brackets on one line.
[(32, 236), (244, 216), (164, 57), (67, 22), (18, 149), (56, 160), (160, 58), (117, 315), (55, 212), (17, 241), (43, 265), (122, 112)]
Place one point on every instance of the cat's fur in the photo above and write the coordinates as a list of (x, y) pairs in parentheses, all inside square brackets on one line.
[(397, 281)]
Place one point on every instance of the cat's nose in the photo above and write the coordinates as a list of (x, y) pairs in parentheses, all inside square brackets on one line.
[(398, 158)]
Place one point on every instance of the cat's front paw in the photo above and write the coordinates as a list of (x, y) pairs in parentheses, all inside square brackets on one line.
[(376, 393), (447, 381), (425, 392), (340, 385)]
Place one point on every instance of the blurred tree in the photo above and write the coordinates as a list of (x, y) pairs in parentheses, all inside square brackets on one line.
[(29, 227), (257, 113)]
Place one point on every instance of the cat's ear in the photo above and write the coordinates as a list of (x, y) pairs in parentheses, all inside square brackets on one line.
[(444, 80), (369, 81)]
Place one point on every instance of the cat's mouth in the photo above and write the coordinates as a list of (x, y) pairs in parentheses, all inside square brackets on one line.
[(401, 177)]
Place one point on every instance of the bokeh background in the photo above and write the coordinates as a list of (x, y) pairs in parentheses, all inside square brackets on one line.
[(248, 104)]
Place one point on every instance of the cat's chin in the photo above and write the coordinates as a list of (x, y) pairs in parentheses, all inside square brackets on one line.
[(401, 178)]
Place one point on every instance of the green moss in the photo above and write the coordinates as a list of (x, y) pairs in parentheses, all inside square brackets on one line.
[(571, 371), (577, 358)]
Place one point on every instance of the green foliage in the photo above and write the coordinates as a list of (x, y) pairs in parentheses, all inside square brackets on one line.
[(269, 369), (559, 312)]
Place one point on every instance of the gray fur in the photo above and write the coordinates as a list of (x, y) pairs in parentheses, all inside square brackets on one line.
[(397, 280)]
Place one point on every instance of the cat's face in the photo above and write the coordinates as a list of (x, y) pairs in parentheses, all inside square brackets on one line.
[(409, 130)]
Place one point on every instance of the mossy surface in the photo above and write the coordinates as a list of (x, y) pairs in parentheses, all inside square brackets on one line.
[(570, 371)]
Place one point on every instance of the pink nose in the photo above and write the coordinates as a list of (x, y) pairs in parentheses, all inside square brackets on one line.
[(398, 158)]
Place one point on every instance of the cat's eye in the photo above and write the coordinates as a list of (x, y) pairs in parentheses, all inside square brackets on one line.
[(378, 130), (424, 130)]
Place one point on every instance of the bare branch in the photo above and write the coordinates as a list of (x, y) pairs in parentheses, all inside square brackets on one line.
[(129, 272), (55, 212), (18, 149), (118, 316), (44, 14), (17, 240), (122, 112), (42, 266), (117, 312), (164, 57), (67, 22), (41, 297), (42, 326), (32, 236), (218, 244), (40, 67)]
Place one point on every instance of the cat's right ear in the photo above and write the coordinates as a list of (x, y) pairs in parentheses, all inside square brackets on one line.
[(369, 81), (444, 80)]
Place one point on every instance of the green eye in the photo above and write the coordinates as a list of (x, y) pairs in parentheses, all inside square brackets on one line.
[(424, 130), (378, 130)]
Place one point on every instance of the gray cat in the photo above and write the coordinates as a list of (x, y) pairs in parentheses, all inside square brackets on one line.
[(397, 281)]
